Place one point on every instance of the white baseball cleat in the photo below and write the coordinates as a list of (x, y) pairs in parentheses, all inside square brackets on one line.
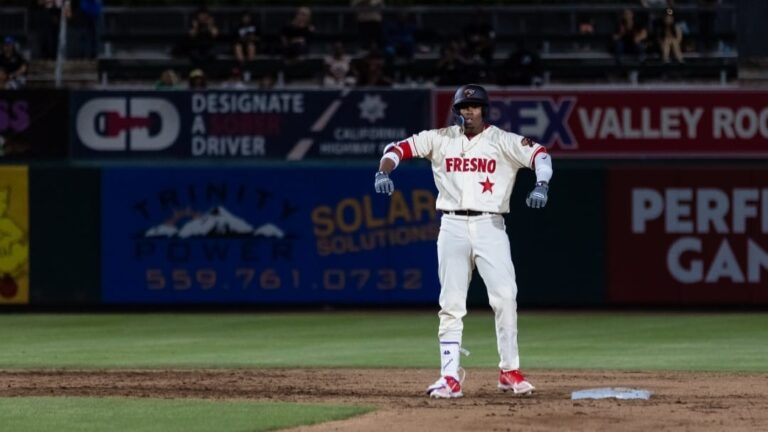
[(446, 387), (515, 381)]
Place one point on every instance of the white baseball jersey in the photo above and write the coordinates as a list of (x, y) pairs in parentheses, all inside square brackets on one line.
[(473, 174)]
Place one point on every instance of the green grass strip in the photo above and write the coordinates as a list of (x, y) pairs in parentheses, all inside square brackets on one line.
[(75, 414), (625, 341)]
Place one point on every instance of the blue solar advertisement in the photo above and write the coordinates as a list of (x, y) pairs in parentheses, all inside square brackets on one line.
[(268, 236), (245, 125)]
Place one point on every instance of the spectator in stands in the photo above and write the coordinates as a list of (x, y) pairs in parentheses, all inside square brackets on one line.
[(369, 22), (247, 38), (201, 38), (652, 14), (399, 40), (630, 37), (371, 71), (586, 28), (14, 64), (197, 80), (670, 38), (522, 67), (90, 12), (266, 82), (453, 68), (296, 34), (480, 38), (169, 80), (235, 80), (50, 23), (338, 68)]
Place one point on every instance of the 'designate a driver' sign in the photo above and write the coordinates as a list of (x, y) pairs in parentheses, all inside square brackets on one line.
[(631, 123)]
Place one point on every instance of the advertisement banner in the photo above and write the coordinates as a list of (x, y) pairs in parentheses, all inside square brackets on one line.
[(688, 236), (292, 125), (267, 236), (631, 123), (14, 235), (33, 124)]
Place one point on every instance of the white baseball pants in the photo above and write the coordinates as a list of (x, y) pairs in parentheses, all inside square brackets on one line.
[(463, 243)]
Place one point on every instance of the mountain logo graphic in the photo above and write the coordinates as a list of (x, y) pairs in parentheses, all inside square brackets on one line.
[(217, 222)]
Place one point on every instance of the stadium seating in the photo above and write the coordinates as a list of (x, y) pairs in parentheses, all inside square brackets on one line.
[(139, 42)]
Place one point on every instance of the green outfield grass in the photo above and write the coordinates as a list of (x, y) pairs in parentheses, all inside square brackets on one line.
[(632, 341), (629, 341), (42, 414)]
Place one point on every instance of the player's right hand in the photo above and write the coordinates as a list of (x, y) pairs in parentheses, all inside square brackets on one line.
[(383, 183)]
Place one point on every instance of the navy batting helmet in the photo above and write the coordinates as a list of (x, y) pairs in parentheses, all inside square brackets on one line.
[(470, 94)]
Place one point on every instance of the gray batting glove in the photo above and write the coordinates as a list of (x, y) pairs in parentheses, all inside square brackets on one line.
[(383, 183), (538, 196)]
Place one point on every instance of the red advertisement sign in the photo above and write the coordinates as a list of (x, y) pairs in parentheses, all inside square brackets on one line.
[(688, 236), (631, 123)]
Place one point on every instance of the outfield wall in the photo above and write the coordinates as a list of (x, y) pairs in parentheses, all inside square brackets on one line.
[(622, 235), (114, 207)]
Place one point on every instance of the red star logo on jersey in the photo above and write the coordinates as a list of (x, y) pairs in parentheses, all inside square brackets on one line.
[(487, 185)]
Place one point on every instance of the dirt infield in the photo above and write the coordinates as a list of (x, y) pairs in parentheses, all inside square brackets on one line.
[(681, 401)]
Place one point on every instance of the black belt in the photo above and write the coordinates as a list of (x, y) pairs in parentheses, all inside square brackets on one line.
[(466, 212)]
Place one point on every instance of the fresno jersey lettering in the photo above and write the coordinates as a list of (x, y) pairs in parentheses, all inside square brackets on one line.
[(477, 173)]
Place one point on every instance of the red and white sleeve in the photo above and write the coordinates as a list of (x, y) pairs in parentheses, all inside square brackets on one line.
[(397, 152)]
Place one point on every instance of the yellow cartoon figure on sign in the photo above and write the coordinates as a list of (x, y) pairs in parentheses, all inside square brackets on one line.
[(14, 249)]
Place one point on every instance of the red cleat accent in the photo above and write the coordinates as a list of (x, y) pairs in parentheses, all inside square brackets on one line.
[(445, 388), (515, 381)]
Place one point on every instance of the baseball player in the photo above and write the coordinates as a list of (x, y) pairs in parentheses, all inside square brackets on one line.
[(474, 165)]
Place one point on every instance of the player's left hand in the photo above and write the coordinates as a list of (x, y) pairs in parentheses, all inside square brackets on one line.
[(383, 183), (538, 196)]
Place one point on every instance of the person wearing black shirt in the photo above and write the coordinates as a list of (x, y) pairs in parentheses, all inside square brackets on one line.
[(246, 39), (202, 37), (296, 34)]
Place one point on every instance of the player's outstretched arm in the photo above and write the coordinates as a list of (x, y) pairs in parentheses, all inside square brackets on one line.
[(382, 182), (539, 195)]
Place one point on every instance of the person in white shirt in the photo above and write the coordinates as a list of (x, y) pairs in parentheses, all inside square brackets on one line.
[(338, 66), (474, 166)]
